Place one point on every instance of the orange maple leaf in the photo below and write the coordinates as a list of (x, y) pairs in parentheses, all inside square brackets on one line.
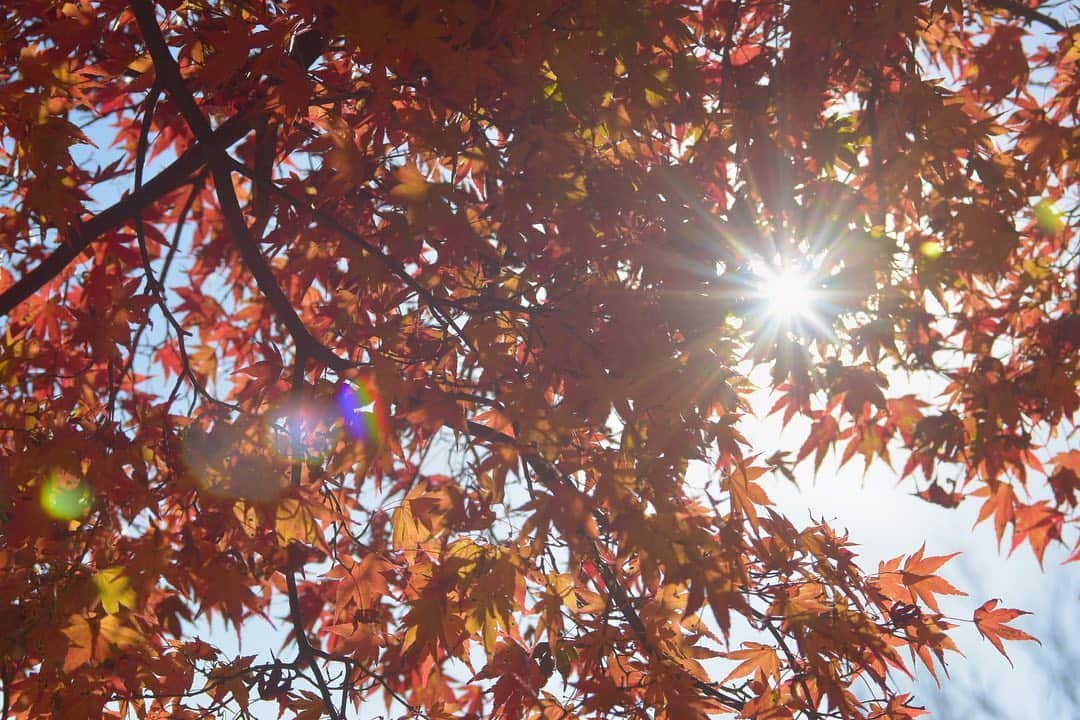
[(745, 493), (991, 624), (755, 657), (919, 578)]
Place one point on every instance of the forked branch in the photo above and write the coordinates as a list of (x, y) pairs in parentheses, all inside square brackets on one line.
[(168, 74)]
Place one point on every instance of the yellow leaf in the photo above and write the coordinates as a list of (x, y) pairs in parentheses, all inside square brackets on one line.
[(755, 658), (419, 518), (746, 494), (80, 643), (577, 191), (295, 521), (412, 186), (249, 519), (408, 532), (563, 586), (114, 589), (117, 633), (1035, 270)]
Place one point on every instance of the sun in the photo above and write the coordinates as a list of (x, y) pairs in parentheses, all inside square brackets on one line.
[(788, 292)]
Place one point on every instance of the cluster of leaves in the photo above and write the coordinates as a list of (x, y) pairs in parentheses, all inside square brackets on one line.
[(416, 315)]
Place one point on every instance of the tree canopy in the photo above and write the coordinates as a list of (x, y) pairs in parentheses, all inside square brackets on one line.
[(426, 329)]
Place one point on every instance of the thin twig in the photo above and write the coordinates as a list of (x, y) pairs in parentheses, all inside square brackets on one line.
[(305, 650), (140, 167), (436, 305), (550, 476), (80, 237)]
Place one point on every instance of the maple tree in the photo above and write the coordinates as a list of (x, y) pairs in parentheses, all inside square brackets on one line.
[(413, 318)]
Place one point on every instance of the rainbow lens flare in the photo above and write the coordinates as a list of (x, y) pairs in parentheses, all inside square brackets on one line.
[(358, 412)]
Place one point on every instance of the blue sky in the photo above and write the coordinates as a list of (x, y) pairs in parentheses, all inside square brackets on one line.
[(887, 520)]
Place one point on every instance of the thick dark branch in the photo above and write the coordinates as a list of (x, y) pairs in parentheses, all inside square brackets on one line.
[(49, 268), (217, 158), (1028, 13), (140, 166), (175, 176), (168, 74), (265, 153), (306, 651), (388, 262)]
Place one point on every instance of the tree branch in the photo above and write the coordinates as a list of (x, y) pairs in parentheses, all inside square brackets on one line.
[(436, 304), (119, 213), (171, 178), (168, 74), (305, 651), (551, 477), (1028, 13)]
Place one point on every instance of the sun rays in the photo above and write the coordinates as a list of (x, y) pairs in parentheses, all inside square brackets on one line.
[(788, 292), (788, 301)]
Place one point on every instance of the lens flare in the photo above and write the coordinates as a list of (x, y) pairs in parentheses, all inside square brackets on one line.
[(357, 407), (320, 427), (65, 497), (1048, 218), (931, 249), (789, 292), (230, 462), (312, 428)]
